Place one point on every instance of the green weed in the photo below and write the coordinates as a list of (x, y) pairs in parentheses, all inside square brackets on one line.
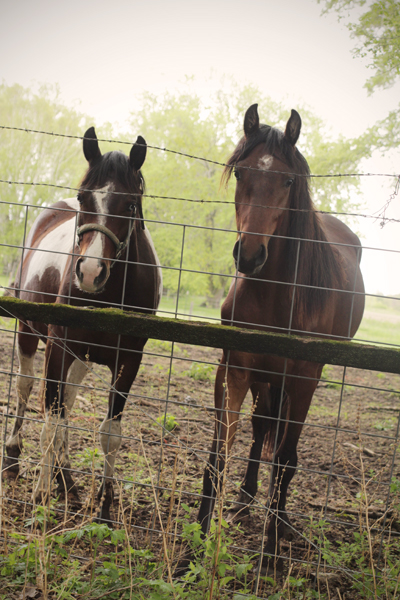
[(201, 372), (168, 422)]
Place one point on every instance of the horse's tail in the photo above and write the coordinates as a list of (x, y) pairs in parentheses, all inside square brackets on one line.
[(276, 435)]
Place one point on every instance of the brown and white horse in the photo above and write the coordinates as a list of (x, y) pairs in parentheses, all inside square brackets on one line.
[(297, 272), (91, 250)]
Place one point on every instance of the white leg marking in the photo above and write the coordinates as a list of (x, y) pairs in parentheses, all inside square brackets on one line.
[(110, 439), (52, 440), (75, 376), (54, 437), (25, 380), (76, 373)]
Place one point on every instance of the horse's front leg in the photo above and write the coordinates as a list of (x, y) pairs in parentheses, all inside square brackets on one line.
[(54, 432), (284, 464), (231, 386), (248, 489), (75, 375), (111, 432)]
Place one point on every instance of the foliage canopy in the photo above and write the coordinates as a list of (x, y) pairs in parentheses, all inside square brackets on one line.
[(184, 122), (376, 27)]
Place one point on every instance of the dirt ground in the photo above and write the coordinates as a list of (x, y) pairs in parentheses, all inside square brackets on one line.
[(350, 435)]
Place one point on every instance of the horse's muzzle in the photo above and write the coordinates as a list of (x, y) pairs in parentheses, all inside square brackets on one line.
[(249, 266), (92, 274)]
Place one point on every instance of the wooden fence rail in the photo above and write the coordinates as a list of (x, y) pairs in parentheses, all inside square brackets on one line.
[(334, 352)]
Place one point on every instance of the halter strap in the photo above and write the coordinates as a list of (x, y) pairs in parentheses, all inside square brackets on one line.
[(120, 246)]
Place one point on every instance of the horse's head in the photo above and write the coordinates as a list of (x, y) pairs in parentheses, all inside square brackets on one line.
[(110, 210), (264, 166)]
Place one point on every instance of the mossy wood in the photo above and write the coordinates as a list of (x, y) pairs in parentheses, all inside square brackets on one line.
[(351, 354)]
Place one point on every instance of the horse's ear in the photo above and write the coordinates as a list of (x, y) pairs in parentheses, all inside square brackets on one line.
[(251, 121), (293, 127), (91, 148), (138, 153)]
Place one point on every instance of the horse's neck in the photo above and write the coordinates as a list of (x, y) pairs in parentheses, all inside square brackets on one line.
[(276, 266)]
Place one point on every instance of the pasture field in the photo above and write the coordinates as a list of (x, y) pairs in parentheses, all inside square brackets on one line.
[(380, 324), (344, 501)]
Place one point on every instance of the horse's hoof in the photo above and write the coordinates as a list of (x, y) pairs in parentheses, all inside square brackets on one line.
[(237, 514), (10, 468), (182, 566), (69, 493), (288, 534), (104, 518), (9, 473), (271, 566), (71, 497)]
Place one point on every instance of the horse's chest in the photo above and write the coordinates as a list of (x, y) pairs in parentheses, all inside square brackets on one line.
[(263, 310)]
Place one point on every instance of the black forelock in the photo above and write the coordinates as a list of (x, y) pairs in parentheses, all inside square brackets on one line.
[(275, 144), (113, 166)]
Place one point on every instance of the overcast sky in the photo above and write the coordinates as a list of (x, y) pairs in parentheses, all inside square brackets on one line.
[(104, 54)]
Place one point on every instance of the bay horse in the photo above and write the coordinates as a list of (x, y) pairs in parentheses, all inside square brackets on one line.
[(297, 271), (93, 250)]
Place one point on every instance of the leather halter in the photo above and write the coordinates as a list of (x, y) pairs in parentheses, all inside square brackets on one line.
[(120, 246)]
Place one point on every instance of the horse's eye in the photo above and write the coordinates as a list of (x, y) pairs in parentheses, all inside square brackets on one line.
[(289, 182), (236, 173), (132, 208), (79, 198)]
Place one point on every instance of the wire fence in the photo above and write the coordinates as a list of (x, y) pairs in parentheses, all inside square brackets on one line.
[(343, 503)]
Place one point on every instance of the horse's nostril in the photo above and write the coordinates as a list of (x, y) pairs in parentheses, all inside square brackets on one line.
[(102, 275), (236, 250), (261, 255), (78, 269)]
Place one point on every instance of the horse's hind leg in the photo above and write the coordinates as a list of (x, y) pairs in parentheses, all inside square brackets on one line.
[(260, 422), (27, 346), (75, 376)]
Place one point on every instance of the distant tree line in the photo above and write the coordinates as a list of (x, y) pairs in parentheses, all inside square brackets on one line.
[(182, 122)]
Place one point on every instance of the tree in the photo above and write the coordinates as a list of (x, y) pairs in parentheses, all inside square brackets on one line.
[(205, 227), (186, 123), (35, 158), (377, 31)]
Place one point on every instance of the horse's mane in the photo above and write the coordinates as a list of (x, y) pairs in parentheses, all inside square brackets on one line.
[(319, 265), (114, 165)]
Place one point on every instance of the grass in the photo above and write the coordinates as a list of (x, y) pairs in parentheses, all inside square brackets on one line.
[(378, 332), (45, 553), (192, 307), (372, 330), (69, 559), (381, 330)]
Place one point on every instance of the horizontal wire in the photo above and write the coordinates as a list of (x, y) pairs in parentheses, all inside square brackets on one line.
[(193, 156), (376, 217), (226, 202), (179, 443)]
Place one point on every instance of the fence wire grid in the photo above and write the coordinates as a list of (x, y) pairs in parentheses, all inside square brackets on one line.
[(343, 502)]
